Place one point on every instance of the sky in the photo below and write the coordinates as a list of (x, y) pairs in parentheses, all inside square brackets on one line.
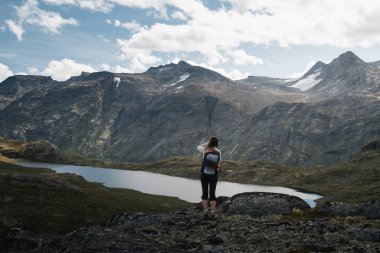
[(237, 38)]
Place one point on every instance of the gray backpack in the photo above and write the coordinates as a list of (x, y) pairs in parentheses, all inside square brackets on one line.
[(210, 163)]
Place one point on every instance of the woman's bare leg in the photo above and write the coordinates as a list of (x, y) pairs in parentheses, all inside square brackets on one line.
[(213, 204), (205, 204)]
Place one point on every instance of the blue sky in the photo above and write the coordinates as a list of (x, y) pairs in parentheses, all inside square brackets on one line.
[(236, 38)]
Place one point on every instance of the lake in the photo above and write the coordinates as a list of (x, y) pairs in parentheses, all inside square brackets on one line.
[(159, 184)]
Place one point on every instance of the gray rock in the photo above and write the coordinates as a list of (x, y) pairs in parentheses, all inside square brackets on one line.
[(262, 203), (217, 239), (19, 240), (364, 234), (189, 231)]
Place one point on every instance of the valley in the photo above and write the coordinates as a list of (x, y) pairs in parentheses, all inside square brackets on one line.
[(319, 133)]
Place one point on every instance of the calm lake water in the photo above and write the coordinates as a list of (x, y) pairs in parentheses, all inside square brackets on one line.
[(159, 184)]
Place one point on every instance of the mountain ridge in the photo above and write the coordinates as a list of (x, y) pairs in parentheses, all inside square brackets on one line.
[(168, 110)]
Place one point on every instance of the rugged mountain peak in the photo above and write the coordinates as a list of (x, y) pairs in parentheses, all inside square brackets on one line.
[(16, 86), (170, 66), (183, 63), (85, 73), (28, 78), (81, 77), (316, 67), (100, 74), (173, 72), (348, 58)]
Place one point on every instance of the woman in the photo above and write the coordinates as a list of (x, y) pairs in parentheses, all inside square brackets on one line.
[(209, 172)]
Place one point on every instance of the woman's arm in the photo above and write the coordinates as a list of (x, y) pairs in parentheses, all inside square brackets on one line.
[(202, 147)]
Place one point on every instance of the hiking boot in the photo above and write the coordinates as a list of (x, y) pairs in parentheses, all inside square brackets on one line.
[(205, 212)]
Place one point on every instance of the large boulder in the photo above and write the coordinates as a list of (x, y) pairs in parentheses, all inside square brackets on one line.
[(262, 203)]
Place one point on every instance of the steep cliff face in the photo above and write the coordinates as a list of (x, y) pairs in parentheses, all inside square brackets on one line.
[(169, 109), (315, 133)]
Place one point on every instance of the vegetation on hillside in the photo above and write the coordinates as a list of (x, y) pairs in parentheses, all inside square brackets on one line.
[(354, 180), (42, 200)]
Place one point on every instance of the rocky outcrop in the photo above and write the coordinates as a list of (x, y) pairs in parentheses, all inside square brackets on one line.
[(370, 210), (373, 145), (236, 228), (191, 232), (35, 151), (262, 203)]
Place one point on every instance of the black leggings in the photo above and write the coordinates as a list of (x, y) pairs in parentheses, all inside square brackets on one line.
[(207, 180)]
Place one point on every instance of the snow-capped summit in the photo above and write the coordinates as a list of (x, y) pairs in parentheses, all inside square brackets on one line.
[(310, 78), (345, 75)]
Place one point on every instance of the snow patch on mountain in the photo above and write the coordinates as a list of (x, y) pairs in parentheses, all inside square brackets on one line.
[(117, 80), (289, 80), (307, 82), (181, 79), (164, 69)]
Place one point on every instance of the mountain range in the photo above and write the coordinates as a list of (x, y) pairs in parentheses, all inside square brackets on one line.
[(320, 118)]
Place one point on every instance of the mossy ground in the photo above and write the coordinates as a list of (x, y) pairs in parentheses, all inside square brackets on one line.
[(47, 208)]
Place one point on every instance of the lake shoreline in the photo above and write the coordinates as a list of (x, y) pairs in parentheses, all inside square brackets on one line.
[(347, 176), (156, 183)]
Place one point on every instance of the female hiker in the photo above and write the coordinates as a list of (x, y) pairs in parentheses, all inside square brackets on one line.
[(209, 173)]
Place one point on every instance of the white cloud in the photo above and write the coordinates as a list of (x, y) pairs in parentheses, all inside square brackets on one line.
[(33, 71), (4, 72), (240, 57), (267, 21), (30, 13), (235, 74), (120, 69), (21, 74), (105, 67), (65, 68), (15, 28), (137, 55), (132, 26), (306, 69), (179, 15), (220, 34), (174, 60), (93, 5), (157, 6)]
